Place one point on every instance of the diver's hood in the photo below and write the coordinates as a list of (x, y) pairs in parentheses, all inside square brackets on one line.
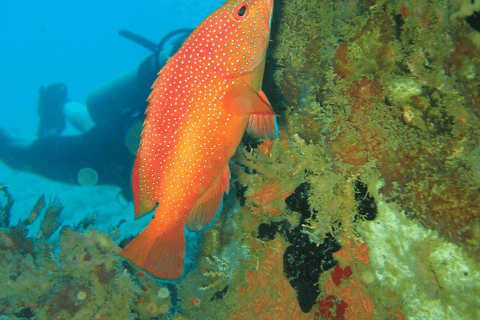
[(126, 95)]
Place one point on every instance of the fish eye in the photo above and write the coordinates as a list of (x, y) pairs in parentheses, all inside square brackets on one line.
[(240, 12)]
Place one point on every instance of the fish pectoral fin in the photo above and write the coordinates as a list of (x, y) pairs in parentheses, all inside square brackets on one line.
[(262, 120), (158, 249), (263, 125), (210, 203), (145, 203)]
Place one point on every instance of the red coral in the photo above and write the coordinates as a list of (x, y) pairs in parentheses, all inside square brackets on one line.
[(330, 307), (405, 12), (325, 307), (338, 274)]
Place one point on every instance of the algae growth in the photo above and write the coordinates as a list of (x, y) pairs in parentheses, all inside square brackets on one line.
[(365, 207)]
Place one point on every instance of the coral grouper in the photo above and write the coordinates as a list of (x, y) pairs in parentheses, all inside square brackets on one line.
[(202, 102)]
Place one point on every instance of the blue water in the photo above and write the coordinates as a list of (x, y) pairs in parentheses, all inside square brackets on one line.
[(76, 43)]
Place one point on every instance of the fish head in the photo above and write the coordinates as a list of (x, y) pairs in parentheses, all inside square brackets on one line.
[(234, 38)]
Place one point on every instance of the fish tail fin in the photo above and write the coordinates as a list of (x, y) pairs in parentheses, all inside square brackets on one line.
[(158, 250)]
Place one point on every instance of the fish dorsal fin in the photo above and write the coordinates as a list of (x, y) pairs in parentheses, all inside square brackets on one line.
[(143, 203), (210, 203)]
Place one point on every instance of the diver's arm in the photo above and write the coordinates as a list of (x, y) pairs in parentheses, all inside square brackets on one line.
[(77, 115)]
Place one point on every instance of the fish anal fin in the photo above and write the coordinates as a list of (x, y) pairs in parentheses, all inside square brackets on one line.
[(210, 203), (159, 250), (144, 203)]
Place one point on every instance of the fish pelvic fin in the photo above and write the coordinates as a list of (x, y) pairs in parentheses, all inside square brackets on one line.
[(144, 203), (210, 203), (158, 250)]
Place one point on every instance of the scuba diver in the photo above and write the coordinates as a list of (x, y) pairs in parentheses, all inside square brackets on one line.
[(109, 123)]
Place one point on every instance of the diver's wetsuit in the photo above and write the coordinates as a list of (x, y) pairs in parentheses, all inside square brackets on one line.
[(60, 158), (102, 148)]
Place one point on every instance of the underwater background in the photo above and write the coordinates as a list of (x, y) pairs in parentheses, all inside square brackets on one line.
[(365, 207)]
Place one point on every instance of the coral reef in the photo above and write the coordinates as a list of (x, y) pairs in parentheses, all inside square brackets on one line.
[(364, 95), (425, 275), (83, 279), (267, 294), (366, 86), (365, 207), (5, 210), (51, 221)]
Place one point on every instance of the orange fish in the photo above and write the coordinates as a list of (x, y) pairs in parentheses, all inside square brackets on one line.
[(203, 100)]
